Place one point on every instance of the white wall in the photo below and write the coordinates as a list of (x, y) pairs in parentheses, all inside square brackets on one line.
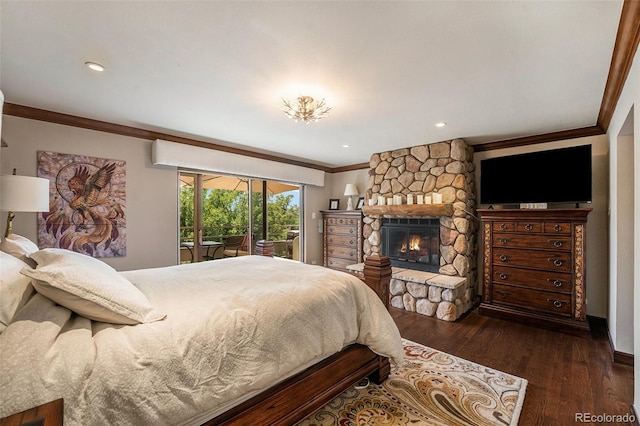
[(152, 191), (629, 101)]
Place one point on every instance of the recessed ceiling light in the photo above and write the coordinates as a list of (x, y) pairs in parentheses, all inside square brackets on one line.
[(95, 66), (441, 124), (345, 146)]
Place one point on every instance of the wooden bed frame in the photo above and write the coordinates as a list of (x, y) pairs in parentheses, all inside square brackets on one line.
[(301, 395)]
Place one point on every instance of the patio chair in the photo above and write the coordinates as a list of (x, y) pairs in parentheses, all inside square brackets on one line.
[(295, 248), (236, 245)]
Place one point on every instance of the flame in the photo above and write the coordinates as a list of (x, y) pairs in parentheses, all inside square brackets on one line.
[(414, 244)]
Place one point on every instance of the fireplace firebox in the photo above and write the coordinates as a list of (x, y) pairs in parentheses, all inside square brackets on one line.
[(412, 243)]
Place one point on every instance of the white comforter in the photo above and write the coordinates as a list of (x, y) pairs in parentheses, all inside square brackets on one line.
[(233, 327)]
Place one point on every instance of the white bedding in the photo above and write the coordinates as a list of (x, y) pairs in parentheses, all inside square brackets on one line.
[(233, 327)]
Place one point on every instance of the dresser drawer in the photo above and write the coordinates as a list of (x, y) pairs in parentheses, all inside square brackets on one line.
[(555, 303), (537, 259), (342, 240), (504, 226), (338, 229), (531, 227), (343, 252), (345, 221), (544, 242), (338, 263), (541, 280), (560, 228)]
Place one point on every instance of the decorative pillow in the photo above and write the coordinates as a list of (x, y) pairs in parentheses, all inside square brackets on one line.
[(20, 247), (90, 288), (15, 288)]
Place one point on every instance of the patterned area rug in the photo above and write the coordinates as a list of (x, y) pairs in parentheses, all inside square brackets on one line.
[(429, 388)]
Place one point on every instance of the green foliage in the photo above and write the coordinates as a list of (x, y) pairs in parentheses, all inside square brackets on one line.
[(225, 213)]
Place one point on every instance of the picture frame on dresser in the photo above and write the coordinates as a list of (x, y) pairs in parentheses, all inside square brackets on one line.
[(334, 204), (360, 203)]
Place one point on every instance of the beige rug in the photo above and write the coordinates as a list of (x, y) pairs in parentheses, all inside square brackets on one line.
[(429, 388)]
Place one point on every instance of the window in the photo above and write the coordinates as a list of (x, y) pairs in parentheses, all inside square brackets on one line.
[(219, 213)]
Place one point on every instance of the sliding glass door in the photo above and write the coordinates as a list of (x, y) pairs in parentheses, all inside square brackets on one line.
[(215, 219)]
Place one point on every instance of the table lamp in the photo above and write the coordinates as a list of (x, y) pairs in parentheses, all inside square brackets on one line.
[(350, 190), (22, 194)]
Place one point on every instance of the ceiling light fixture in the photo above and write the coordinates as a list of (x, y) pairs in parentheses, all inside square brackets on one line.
[(441, 124), (306, 109), (95, 66)]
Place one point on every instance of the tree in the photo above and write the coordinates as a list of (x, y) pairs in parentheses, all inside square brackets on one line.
[(224, 213)]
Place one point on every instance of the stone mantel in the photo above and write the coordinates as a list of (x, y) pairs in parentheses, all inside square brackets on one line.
[(409, 210)]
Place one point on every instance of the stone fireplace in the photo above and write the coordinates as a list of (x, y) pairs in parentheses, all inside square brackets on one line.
[(449, 289)]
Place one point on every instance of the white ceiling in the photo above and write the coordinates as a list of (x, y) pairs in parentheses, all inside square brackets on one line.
[(216, 71)]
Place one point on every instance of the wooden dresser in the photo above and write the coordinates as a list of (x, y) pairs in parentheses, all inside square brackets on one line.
[(534, 267), (342, 238)]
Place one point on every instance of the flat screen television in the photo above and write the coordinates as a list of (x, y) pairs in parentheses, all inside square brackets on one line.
[(554, 176)]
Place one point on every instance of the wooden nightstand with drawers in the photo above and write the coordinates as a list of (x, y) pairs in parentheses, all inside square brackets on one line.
[(342, 238), (534, 267)]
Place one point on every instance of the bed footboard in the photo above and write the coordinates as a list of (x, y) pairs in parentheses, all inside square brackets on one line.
[(304, 393)]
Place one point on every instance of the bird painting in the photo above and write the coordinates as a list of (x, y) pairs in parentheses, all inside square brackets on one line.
[(84, 214)]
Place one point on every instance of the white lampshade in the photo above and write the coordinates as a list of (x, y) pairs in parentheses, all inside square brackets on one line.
[(351, 189), (24, 193)]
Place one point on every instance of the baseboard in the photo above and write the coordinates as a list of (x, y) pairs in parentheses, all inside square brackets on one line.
[(617, 356), (622, 358)]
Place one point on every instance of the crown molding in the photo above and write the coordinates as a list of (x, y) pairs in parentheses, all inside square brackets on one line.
[(624, 50), (543, 138), (118, 129)]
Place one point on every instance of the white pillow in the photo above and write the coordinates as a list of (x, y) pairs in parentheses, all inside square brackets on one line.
[(15, 288), (90, 288), (20, 247)]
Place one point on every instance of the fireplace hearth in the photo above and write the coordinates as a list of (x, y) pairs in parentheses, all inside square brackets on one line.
[(412, 243)]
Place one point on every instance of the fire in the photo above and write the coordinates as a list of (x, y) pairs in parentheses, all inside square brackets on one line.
[(414, 244)]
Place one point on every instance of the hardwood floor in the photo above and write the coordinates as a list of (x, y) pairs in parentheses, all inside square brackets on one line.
[(566, 374)]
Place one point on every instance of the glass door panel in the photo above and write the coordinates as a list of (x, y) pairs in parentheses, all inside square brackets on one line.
[(218, 219)]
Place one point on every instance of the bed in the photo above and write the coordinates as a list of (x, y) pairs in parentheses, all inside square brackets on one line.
[(246, 340)]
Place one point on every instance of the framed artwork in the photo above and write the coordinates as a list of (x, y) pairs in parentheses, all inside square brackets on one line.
[(360, 203), (87, 204), (334, 204)]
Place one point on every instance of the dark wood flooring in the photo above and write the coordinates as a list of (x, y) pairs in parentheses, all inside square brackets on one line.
[(566, 374)]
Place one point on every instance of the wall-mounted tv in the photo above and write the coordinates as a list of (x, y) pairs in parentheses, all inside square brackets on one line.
[(555, 176)]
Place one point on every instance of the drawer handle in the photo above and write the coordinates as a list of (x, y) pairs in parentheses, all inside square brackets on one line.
[(503, 240), (557, 228), (330, 240), (557, 283), (351, 231), (351, 241), (503, 276), (556, 243), (503, 257), (528, 227), (556, 303), (351, 253), (503, 294), (503, 226), (556, 262)]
